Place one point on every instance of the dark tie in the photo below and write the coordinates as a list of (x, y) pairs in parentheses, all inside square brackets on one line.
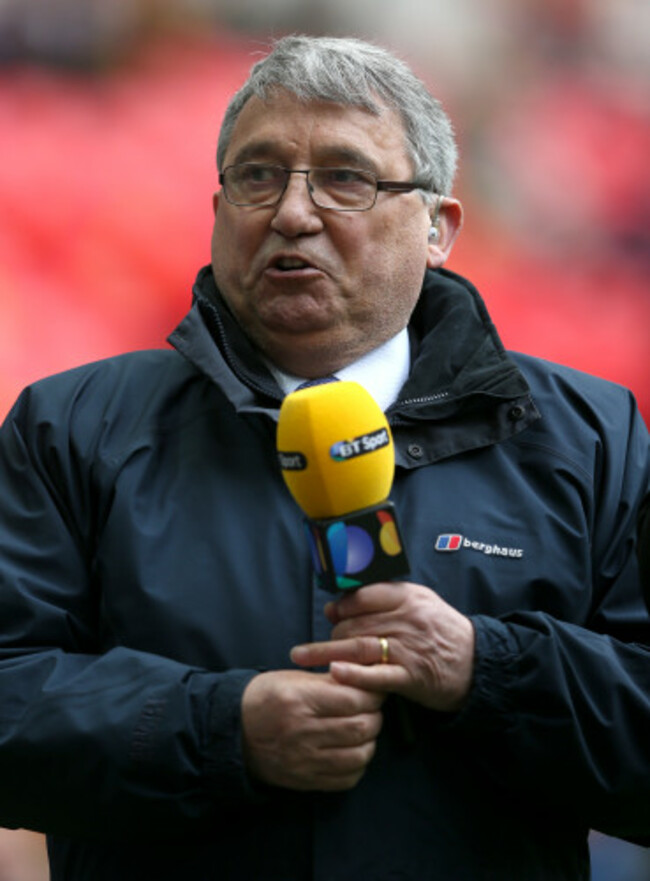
[(320, 381)]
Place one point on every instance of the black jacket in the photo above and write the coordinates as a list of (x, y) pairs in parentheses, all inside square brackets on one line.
[(152, 561), (644, 549)]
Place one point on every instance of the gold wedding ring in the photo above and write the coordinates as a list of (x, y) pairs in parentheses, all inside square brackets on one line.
[(383, 644)]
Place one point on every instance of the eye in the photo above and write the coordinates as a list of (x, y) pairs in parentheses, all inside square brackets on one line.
[(262, 172), (343, 178), (258, 175)]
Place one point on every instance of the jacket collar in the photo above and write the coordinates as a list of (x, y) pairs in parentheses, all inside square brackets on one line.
[(211, 338), (464, 391), (457, 353)]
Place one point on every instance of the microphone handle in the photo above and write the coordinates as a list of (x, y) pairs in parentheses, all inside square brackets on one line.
[(359, 548)]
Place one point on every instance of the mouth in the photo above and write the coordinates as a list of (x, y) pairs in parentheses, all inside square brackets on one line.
[(290, 264)]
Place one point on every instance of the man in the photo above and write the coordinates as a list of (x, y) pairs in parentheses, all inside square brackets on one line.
[(179, 698)]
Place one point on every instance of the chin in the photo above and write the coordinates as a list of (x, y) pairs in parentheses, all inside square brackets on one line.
[(304, 354), (295, 326)]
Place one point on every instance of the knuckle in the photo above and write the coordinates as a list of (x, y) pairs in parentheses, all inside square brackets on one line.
[(368, 750), (361, 729), (354, 760), (367, 648), (377, 723)]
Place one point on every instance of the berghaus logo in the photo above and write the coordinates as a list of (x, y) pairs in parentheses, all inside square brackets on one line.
[(453, 541)]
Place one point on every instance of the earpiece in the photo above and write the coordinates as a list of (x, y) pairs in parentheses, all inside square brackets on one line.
[(434, 229)]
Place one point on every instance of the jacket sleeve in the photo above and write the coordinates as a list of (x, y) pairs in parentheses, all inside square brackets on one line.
[(560, 713), (123, 742), (644, 549)]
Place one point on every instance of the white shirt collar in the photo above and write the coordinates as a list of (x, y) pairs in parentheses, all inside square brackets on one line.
[(382, 372)]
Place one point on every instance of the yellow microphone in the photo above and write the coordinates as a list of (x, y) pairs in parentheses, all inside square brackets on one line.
[(336, 453)]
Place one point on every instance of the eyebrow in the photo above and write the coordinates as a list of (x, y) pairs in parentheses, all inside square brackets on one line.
[(253, 151), (348, 156), (339, 153)]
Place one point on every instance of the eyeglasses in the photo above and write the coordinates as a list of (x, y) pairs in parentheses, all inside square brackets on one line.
[(335, 189)]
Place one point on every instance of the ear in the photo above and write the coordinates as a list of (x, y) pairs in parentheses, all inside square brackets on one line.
[(447, 216)]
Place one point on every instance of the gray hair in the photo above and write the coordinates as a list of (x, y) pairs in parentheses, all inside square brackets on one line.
[(355, 73)]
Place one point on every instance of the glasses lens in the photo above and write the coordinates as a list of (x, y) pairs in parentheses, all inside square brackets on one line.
[(254, 184), (343, 189)]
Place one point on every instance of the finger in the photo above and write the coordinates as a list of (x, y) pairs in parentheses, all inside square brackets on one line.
[(342, 769), (366, 626), (384, 596), (348, 731), (325, 769), (360, 650), (344, 760), (329, 699), (333, 784), (378, 678)]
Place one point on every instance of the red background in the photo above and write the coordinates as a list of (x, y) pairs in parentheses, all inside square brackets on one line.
[(105, 213)]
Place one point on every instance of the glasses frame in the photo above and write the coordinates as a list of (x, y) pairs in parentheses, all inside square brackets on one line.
[(388, 186)]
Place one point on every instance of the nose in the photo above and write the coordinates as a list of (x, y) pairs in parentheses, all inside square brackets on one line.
[(296, 214)]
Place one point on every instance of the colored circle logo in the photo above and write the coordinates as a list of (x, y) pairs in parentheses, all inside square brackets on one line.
[(351, 548)]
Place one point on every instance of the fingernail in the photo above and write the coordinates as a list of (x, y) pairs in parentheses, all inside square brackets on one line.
[(331, 612)]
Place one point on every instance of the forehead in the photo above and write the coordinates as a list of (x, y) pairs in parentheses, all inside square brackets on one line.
[(283, 128)]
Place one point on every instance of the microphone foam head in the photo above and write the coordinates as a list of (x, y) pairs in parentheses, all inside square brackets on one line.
[(335, 449)]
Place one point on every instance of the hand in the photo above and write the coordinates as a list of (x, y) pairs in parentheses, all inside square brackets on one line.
[(430, 645), (306, 731)]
